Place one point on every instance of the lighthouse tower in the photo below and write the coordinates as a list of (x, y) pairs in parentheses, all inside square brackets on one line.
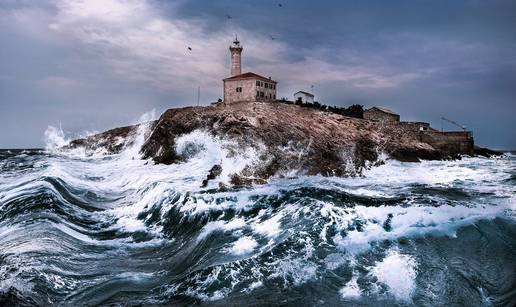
[(236, 58)]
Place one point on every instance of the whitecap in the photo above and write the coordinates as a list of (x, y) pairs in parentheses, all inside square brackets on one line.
[(351, 289), (243, 245), (398, 272)]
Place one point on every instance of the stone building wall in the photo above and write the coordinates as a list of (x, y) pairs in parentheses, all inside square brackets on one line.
[(378, 115), (452, 143), (269, 92), (417, 126), (250, 90)]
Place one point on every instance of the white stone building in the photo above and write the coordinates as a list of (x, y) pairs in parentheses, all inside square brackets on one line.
[(304, 97), (247, 86)]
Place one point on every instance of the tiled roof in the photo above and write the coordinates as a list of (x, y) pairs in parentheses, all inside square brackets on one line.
[(249, 75)]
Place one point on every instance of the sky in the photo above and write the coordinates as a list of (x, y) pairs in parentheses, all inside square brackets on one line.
[(90, 65)]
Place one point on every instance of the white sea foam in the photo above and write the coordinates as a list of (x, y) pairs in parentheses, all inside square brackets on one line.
[(210, 227), (243, 245), (270, 227), (398, 272), (351, 289), (205, 150), (335, 260), (295, 270), (466, 170), (405, 221)]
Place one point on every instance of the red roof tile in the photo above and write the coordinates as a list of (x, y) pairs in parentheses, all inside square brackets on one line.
[(249, 75)]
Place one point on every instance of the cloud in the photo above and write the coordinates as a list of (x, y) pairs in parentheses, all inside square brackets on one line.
[(58, 82), (138, 43), (69, 58)]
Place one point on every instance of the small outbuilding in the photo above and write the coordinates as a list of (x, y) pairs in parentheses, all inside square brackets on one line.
[(304, 97), (380, 114)]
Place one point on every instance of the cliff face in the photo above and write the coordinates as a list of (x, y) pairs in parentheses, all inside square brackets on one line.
[(288, 138), (295, 138)]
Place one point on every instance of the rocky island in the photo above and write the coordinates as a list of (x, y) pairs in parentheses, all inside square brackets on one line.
[(289, 139)]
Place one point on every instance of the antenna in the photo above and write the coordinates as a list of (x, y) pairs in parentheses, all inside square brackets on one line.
[(453, 123)]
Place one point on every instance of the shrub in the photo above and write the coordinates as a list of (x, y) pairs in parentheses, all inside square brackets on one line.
[(355, 110)]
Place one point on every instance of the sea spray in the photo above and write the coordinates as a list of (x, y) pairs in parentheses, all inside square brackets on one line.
[(55, 138)]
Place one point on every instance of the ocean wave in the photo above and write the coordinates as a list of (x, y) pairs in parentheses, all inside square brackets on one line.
[(77, 228)]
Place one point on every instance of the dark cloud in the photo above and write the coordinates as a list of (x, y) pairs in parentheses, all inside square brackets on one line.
[(100, 64)]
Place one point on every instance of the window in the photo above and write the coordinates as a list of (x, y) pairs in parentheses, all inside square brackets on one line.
[(239, 90), (257, 83), (261, 83), (262, 94), (257, 94), (266, 85), (273, 96)]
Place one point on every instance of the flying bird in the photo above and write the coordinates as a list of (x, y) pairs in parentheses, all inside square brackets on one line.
[(280, 5), (272, 37), (190, 48), (228, 16)]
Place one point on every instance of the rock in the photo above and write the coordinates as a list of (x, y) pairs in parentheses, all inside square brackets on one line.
[(290, 139), (215, 171), (296, 138), (223, 186), (240, 180), (486, 152), (112, 141)]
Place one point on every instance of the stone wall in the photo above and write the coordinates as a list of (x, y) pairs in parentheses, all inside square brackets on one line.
[(250, 91), (417, 126), (380, 116), (451, 143)]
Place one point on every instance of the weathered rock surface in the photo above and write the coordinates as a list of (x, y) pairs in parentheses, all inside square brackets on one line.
[(112, 141), (295, 138), (486, 152)]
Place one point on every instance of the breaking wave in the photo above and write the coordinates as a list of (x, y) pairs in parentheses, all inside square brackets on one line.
[(79, 229)]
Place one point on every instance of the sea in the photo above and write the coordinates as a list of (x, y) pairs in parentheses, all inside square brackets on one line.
[(82, 228)]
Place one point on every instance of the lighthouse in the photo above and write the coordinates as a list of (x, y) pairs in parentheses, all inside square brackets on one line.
[(246, 86), (236, 58)]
